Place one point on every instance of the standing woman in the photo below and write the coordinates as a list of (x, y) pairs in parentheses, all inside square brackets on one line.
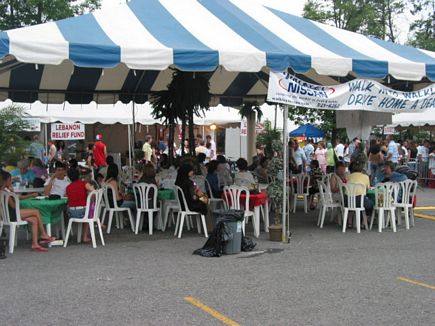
[(330, 159), (321, 156), (31, 216), (191, 192)]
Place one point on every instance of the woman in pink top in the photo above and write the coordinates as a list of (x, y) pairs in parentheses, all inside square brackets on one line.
[(321, 156)]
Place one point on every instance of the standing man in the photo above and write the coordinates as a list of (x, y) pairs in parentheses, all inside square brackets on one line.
[(392, 151), (52, 151), (339, 150), (100, 152), (300, 158), (212, 147), (148, 149), (309, 150), (36, 149)]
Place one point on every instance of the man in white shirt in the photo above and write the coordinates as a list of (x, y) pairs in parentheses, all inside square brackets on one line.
[(309, 150), (212, 147), (423, 151), (339, 150), (392, 151), (57, 183), (201, 148)]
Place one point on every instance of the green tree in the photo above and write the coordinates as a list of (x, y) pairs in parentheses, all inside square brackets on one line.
[(187, 95), (19, 13), (12, 124), (423, 28)]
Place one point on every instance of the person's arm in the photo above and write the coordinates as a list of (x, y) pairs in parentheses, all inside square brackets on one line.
[(105, 151), (49, 186)]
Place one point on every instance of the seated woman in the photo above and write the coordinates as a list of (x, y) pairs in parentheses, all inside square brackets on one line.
[(112, 179), (339, 175), (191, 192), (261, 170), (31, 216), (148, 174), (243, 177), (316, 174), (77, 193), (357, 176), (224, 171), (213, 180)]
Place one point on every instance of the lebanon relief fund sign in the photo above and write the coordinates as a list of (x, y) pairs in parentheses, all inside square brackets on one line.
[(67, 131)]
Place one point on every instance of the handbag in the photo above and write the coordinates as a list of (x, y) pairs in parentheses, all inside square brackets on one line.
[(204, 199)]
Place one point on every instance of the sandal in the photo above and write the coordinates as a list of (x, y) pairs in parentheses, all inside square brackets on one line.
[(47, 241), (39, 249)]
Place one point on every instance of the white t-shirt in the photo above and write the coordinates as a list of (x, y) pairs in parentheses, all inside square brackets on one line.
[(339, 150), (424, 152), (59, 186)]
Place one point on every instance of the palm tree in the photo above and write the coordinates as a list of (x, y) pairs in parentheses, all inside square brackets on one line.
[(188, 94)]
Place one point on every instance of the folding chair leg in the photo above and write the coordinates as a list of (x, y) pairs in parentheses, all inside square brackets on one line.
[(100, 230), (138, 219), (198, 224), (358, 221), (92, 232), (393, 219), (204, 226), (345, 216), (79, 232), (323, 217), (12, 234), (150, 222), (407, 218), (68, 231), (177, 223), (180, 227), (109, 224), (130, 217)]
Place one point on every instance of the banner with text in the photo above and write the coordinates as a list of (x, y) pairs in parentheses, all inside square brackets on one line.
[(358, 94), (67, 131)]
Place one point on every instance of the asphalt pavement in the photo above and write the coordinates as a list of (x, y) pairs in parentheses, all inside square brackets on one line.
[(322, 277)]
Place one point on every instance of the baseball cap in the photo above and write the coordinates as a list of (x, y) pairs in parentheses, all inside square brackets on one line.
[(99, 137)]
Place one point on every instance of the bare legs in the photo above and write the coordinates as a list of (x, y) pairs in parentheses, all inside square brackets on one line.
[(33, 217)]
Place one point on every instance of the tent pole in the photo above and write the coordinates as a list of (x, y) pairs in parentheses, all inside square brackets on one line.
[(284, 174)]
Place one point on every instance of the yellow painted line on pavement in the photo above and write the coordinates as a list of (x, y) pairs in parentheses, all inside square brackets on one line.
[(425, 208), (428, 286), (211, 311), (428, 217)]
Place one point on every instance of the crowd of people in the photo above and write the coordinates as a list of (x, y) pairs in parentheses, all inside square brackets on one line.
[(348, 162)]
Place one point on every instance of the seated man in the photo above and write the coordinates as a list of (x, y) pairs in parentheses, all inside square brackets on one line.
[(390, 175), (23, 173), (57, 183)]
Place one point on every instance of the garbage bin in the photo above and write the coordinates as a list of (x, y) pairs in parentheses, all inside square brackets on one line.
[(233, 219)]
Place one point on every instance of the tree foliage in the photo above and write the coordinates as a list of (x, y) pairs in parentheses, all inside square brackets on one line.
[(12, 124), (423, 28), (19, 13), (187, 95)]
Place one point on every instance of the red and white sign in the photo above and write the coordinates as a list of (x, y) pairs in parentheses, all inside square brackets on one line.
[(259, 128), (67, 131), (389, 130)]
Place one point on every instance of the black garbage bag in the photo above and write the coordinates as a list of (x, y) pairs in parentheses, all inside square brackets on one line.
[(216, 241), (247, 243)]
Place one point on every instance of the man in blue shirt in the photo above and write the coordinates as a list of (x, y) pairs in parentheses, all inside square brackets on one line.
[(390, 175), (22, 173), (36, 149)]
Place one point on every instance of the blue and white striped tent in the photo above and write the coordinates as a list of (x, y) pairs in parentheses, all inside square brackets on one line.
[(126, 52)]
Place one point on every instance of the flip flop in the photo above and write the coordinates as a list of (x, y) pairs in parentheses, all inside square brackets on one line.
[(39, 249), (47, 241)]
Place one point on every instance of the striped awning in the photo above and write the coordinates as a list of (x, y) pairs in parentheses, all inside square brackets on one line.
[(125, 53)]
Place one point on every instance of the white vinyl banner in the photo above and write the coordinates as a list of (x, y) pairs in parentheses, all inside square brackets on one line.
[(67, 131), (358, 94)]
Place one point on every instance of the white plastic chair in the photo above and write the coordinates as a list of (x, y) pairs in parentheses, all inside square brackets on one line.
[(407, 191), (326, 203), (385, 201), (350, 192), (212, 200), (115, 209), (232, 196), (146, 196), (6, 218), (94, 199), (301, 190), (186, 213)]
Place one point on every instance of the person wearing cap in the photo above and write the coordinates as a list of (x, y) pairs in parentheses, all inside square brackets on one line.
[(23, 173), (100, 152)]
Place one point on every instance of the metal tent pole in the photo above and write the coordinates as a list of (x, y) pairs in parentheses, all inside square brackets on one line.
[(285, 223)]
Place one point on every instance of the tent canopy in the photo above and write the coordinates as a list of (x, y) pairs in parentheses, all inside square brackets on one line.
[(124, 53), (308, 131)]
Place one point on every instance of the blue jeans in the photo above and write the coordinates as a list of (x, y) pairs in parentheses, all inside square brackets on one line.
[(76, 213)]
